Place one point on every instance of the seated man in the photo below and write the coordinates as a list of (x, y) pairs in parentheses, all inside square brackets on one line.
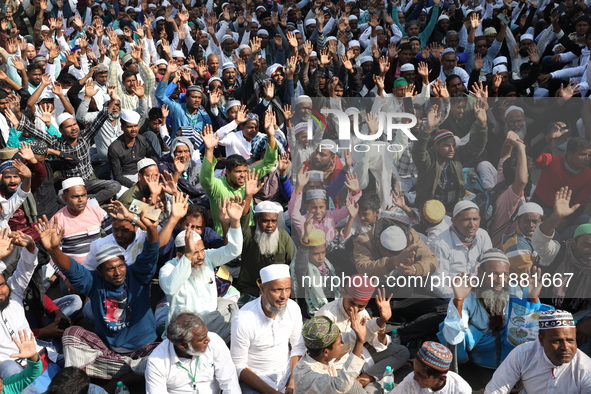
[(188, 280), (147, 171), (552, 363), (458, 248), (267, 335), (380, 349), (185, 170), (518, 246), (316, 372), (476, 318), (120, 301), (431, 373), (191, 347)]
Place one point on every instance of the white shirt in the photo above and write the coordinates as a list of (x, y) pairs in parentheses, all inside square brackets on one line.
[(234, 142), (454, 257), (130, 254), (313, 377), (14, 313), (529, 364), (454, 384), (215, 371), (197, 291), (261, 344)]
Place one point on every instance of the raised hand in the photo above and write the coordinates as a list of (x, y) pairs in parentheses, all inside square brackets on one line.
[(352, 183), (50, 236), (26, 345), (6, 244), (352, 207), (118, 211), (557, 131), (234, 208), (433, 117), (462, 288), (303, 178), (562, 203), (180, 205), (46, 113), (383, 305), (357, 325), (209, 138), (283, 162), (251, 184), (25, 152), (168, 183)]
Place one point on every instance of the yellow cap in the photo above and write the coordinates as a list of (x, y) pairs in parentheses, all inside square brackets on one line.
[(317, 237), (8, 153), (433, 211)]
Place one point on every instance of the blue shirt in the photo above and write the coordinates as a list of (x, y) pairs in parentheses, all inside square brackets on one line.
[(179, 116)]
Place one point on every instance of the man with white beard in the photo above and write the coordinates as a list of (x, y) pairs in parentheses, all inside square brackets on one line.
[(191, 360), (179, 162), (264, 243), (449, 66), (267, 336), (189, 279), (476, 320)]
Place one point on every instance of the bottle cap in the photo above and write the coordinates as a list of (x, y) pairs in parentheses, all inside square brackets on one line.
[(388, 369), (395, 331), (119, 384)]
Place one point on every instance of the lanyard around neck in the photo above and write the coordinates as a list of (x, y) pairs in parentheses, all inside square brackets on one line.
[(192, 375)]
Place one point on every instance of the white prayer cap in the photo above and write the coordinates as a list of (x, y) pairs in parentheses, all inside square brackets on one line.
[(228, 65), (364, 59), (213, 79), (274, 67), (152, 5), (227, 37), (331, 38), (262, 32), (179, 241), (71, 182), (268, 207), (243, 46), (119, 32), (354, 43), (178, 54), (232, 103), (501, 68), (353, 18), (313, 54), (316, 176), (63, 117), (46, 94), (160, 18), (328, 144), (530, 207), (443, 17), (106, 253), (161, 62), (464, 205), (145, 162), (309, 22), (274, 271), (407, 67), (303, 99), (513, 108), (130, 116), (478, 9), (526, 37), (351, 111), (45, 28), (499, 59), (447, 50), (129, 8), (394, 239), (492, 254)]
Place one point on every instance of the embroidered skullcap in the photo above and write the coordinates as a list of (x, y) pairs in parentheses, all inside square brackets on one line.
[(130, 116), (194, 88), (71, 182), (394, 239), (464, 205), (303, 99), (433, 211), (526, 37), (316, 176), (6, 165), (583, 229), (400, 82), (275, 67), (360, 287), (317, 237), (262, 32), (227, 37), (407, 67), (447, 50), (316, 194), (228, 65), (499, 59), (108, 252), (268, 207), (126, 59), (441, 135), (145, 162), (501, 68), (513, 108), (303, 126), (309, 22), (251, 116), (530, 207), (489, 31), (63, 117), (435, 355), (364, 59), (328, 145), (39, 147), (37, 59), (179, 241), (273, 272), (555, 319), (320, 332), (493, 254), (352, 111), (354, 43), (232, 103)]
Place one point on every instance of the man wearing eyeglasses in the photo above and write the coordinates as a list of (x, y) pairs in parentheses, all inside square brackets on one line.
[(479, 46)]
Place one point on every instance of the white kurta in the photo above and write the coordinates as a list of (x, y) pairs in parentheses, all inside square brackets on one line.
[(529, 364), (313, 377), (215, 371), (262, 344), (454, 384)]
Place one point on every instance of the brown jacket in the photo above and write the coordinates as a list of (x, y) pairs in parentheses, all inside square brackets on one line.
[(369, 260)]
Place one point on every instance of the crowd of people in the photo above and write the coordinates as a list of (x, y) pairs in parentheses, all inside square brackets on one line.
[(247, 196)]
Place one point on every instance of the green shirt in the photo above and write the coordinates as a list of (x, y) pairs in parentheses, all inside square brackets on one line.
[(217, 188), (133, 193), (15, 384)]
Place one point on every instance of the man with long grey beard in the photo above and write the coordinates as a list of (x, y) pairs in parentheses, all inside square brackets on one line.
[(267, 337), (191, 360), (476, 320), (264, 243)]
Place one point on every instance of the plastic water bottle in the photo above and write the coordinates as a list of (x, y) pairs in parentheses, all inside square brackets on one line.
[(395, 337), (388, 380), (121, 388)]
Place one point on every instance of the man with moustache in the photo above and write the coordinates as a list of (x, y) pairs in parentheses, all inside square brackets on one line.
[(518, 246), (476, 318), (190, 346), (127, 150), (449, 66), (553, 363), (184, 169), (267, 336), (188, 280)]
